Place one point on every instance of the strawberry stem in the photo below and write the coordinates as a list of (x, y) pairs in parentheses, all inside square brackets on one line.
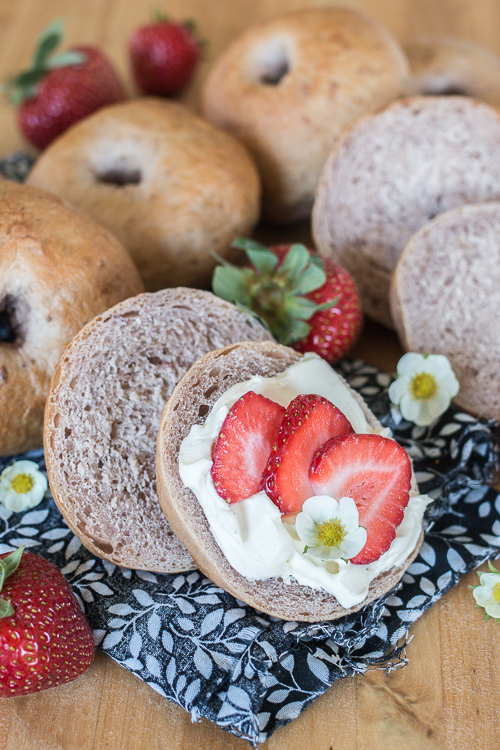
[(274, 291), (8, 565)]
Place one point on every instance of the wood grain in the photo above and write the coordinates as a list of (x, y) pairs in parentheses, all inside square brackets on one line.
[(447, 697)]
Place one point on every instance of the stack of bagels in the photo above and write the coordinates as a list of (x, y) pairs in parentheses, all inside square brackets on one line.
[(302, 113)]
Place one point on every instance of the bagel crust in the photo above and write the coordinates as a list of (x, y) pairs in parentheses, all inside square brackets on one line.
[(288, 86), (189, 404), (173, 188), (58, 268)]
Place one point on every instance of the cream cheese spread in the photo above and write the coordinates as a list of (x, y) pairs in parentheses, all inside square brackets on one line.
[(251, 533)]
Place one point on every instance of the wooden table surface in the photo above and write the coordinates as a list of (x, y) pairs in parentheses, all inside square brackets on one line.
[(448, 696)]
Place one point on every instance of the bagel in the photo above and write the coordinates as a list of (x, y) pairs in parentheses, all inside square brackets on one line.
[(393, 172), (445, 65), (288, 86), (189, 404), (445, 297), (103, 413), (58, 268), (173, 188)]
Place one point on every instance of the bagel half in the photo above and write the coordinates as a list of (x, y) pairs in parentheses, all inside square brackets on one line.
[(103, 413), (189, 404), (445, 298), (392, 173)]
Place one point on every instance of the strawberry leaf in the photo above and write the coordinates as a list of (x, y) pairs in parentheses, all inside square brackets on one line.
[(311, 279), (243, 243), (230, 283), (66, 58), (264, 260), (492, 568), (291, 330), (294, 262), (299, 307), (329, 303), (23, 86), (8, 565), (6, 609), (47, 43)]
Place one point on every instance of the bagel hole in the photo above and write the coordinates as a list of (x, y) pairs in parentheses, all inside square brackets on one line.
[(446, 90), (120, 177), (273, 62), (10, 321)]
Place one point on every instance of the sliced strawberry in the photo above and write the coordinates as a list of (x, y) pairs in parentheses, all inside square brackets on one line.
[(243, 446), (309, 421), (376, 473)]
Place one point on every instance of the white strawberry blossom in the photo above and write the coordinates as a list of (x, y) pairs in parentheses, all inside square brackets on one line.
[(424, 387), (329, 528), (487, 594), (22, 486)]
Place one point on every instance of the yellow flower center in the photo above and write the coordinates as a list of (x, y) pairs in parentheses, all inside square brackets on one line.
[(331, 533), (423, 386), (496, 592), (22, 483)]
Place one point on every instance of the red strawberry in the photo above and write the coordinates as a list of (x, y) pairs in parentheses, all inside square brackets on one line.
[(376, 473), (164, 55), (243, 445), (309, 422), (45, 640), (310, 304), (61, 89)]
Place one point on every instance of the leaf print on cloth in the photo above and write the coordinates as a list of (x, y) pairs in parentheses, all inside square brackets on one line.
[(248, 672)]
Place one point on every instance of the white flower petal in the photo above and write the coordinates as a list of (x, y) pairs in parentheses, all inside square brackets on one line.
[(450, 384), (326, 553), (410, 408), (411, 363), (493, 609), (399, 388), (482, 596), (348, 514), (425, 416), (306, 529), (437, 364), (488, 580), (353, 543), (438, 404), (321, 508)]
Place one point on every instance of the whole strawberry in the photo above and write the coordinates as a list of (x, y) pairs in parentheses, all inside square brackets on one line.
[(61, 89), (45, 640), (307, 303), (164, 55)]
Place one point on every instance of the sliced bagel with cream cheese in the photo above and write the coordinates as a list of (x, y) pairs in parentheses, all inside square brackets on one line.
[(195, 401)]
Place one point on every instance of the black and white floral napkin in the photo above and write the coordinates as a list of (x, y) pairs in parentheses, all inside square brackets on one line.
[(248, 672)]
